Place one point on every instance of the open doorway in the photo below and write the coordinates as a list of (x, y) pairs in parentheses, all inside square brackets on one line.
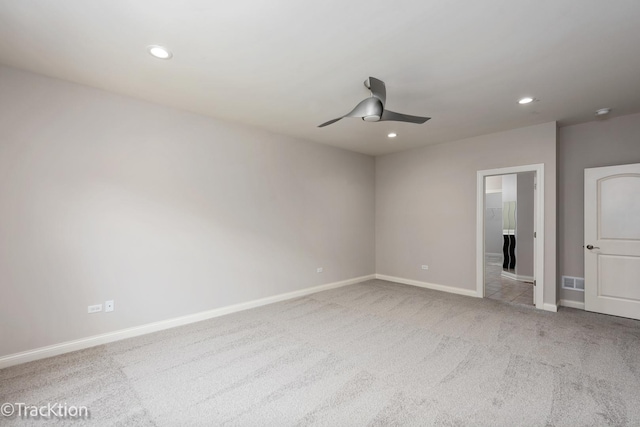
[(510, 248), (508, 233)]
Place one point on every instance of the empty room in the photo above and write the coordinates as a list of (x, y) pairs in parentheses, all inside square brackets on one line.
[(320, 213)]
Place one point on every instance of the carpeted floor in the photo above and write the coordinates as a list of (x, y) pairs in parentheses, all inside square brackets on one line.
[(375, 353)]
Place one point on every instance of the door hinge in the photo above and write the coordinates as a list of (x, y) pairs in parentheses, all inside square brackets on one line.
[(534, 282), (535, 234)]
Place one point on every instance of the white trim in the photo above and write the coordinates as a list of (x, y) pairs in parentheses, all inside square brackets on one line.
[(494, 254), (443, 288), (512, 276), (82, 343), (494, 191), (550, 307), (539, 240), (572, 304), (508, 275)]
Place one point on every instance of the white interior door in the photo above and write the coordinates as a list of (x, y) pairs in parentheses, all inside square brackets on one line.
[(612, 240)]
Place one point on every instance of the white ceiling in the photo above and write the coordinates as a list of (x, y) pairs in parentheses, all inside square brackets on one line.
[(287, 65)]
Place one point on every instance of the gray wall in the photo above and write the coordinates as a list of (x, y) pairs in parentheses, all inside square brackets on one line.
[(166, 212), (493, 223), (509, 188), (426, 204), (608, 142), (525, 224)]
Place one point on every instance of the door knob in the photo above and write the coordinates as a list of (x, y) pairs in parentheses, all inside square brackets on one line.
[(592, 247)]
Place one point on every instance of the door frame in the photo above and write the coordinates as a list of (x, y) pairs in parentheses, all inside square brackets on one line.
[(539, 227)]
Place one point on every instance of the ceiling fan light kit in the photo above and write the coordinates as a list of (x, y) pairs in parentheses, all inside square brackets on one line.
[(372, 109)]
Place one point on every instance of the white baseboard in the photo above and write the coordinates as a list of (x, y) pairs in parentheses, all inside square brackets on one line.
[(550, 307), (521, 278), (443, 288), (508, 275), (79, 344), (572, 304)]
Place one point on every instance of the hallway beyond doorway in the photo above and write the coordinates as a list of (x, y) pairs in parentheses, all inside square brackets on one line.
[(500, 288)]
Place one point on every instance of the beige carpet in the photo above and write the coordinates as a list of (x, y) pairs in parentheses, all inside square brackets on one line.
[(375, 353)]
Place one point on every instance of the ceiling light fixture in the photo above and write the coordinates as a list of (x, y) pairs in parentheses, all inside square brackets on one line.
[(159, 52), (392, 135), (603, 111), (526, 100)]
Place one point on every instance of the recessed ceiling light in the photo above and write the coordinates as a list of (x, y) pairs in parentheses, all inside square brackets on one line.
[(159, 52), (392, 135), (526, 100), (603, 111)]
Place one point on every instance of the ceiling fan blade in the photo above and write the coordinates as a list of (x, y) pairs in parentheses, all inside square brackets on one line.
[(398, 117), (378, 89), (329, 122)]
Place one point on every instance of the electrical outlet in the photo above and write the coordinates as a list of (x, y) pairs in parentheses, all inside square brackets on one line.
[(319, 270), (425, 267), (108, 306), (94, 308)]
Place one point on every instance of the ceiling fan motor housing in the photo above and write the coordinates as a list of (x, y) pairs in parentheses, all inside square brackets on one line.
[(371, 108)]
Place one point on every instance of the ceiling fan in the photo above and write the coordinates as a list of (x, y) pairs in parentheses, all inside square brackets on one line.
[(372, 109)]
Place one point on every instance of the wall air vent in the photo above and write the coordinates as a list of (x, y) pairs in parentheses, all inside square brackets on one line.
[(575, 283), (579, 284)]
